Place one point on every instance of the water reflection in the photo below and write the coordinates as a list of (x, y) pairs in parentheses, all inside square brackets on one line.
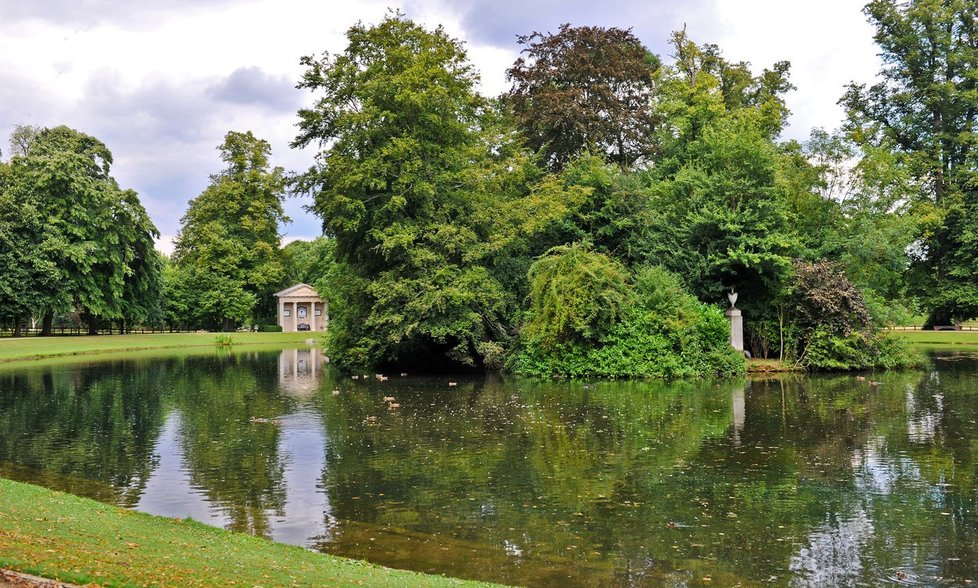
[(169, 492), (299, 370), (797, 480)]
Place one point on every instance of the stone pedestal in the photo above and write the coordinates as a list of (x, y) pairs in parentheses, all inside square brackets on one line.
[(736, 328)]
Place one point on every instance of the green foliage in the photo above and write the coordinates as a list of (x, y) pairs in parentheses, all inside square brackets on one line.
[(82, 242), (922, 114), (945, 276), (859, 350), (224, 340), (28, 275), (575, 296), (721, 219), (831, 326), (424, 193), (663, 332), (307, 262), (269, 328), (227, 262)]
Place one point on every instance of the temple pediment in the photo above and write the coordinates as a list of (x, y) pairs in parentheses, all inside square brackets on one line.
[(299, 291)]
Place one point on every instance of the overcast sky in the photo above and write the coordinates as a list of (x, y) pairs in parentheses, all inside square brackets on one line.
[(161, 82)]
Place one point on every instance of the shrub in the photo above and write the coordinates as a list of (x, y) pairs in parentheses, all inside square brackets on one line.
[(269, 328), (859, 351), (832, 325), (576, 294), (664, 333)]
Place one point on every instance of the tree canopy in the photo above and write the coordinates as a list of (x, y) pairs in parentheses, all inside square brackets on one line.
[(924, 112), (227, 257), (400, 185), (585, 88), (78, 241)]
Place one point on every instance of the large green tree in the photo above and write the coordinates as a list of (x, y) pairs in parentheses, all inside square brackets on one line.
[(416, 183), (90, 242), (26, 274), (924, 110), (227, 252), (585, 88), (722, 208)]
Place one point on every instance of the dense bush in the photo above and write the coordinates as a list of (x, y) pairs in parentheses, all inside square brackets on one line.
[(269, 328), (858, 351), (663, 332), (832, 326), (576, 294)]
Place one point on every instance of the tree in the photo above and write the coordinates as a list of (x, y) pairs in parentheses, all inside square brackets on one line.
[(97, 237), (925, 110), (576, 295), (402, 132), (308, 261), (26, 273), (724, 196), (722, 218), (22, 138), (228, 246), (703, 85), (585, 88)]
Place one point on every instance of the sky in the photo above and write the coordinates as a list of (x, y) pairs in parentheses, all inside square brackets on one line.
[(162, 82)]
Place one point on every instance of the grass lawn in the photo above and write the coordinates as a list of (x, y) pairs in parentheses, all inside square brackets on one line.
[(72, 539), (20, 348), (945, 340)]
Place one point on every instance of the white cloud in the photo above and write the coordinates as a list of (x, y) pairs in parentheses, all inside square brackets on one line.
[(828, 43)]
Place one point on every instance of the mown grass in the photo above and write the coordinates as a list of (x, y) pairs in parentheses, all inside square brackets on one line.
[(937, 340), (22, 348), (77, 540)]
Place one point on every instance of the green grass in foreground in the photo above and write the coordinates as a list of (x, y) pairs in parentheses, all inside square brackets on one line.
[(948, 340), (74, 539), (20, 348)]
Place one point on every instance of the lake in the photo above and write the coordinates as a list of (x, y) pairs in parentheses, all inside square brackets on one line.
[(797, 480)]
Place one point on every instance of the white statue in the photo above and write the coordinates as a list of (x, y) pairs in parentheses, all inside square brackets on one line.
[(732, 297)]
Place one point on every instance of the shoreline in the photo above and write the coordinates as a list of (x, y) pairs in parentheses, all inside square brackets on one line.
[(29, 349), (66, 538)]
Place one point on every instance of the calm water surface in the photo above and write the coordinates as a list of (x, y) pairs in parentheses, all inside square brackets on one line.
[(796, 481)]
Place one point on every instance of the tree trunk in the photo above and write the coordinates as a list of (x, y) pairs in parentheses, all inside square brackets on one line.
[(17, 328), (938, 317), (228, 325), (46, 324), (92, 321)]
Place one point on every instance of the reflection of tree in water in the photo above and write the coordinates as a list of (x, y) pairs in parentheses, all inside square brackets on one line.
[(832, 555), (229, 435), (521, 482), (887, 462), (85, 429)]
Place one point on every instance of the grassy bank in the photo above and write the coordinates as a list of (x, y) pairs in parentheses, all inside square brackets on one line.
[(948, 340), (771, 366), (21, 348), (74, 539)]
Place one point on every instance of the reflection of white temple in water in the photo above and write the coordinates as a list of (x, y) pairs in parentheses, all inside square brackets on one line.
[(739, 414), (299, 369)]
